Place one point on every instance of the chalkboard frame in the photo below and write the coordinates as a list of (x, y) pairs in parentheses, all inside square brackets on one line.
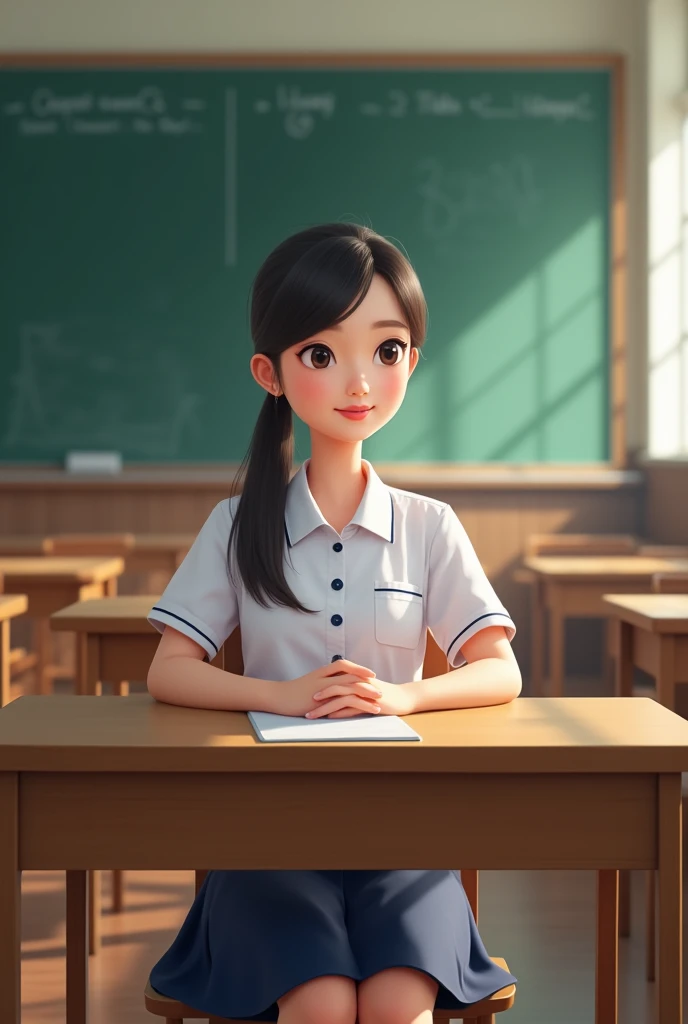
[(615, 63)]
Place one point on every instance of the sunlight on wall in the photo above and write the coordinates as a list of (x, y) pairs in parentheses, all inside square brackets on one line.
[(667, 285)]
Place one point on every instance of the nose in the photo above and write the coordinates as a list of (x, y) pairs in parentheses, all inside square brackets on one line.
[(358, 386)]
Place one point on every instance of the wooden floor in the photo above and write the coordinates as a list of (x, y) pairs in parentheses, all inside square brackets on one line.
[(541, 922)]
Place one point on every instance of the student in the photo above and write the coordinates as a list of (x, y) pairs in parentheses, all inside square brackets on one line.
[(334, 578)]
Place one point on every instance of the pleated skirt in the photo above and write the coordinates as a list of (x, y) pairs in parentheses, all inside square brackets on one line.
[(251, 936)]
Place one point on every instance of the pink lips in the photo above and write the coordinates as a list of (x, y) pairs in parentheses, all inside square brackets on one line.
[(355, 412)]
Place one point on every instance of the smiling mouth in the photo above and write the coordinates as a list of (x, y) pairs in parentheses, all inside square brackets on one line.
[(357, 413)]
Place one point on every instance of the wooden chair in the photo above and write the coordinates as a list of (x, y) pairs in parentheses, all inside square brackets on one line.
[(670, 583), (174, 1012)]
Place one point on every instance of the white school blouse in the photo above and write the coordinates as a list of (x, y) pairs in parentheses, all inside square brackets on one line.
[(403, 564)]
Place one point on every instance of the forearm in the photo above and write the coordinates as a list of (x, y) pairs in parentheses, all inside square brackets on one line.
[(480, 684), (191, 683)]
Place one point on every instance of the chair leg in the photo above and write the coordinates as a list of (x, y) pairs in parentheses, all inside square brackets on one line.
[(117, 890), (173, 1020), (487, 1019)]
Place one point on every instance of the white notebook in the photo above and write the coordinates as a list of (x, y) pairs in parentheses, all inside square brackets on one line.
[(272, 728)]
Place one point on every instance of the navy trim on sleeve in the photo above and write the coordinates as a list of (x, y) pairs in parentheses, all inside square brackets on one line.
[(487, 615), (200, 632)]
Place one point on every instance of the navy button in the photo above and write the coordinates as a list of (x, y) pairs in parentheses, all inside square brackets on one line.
[(336, 620), (336, 584), (336, 657), (337, 546)]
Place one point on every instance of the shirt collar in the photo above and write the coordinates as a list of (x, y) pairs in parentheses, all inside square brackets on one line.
[(302, 515)]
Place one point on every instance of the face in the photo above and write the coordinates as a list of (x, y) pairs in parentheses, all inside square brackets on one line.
[(356, 363)]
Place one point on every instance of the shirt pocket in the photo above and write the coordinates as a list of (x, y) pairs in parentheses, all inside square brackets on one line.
[(398, 613)]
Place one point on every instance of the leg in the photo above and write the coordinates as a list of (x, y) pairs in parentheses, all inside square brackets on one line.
[(4, 662), (399, 995), (329, 999), (607, 956), (556, 652), (77, 956), (10, 901), (537, 632), (669, 980)]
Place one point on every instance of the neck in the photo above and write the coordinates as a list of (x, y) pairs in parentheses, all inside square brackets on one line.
[(336, 479)]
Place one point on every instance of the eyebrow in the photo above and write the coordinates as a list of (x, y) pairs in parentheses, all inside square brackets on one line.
[(378, 323)]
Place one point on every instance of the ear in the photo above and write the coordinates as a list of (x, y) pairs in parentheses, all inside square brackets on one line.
[(264, 374), (414, 356)]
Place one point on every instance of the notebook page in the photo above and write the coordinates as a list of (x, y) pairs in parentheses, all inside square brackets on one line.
[(271, 728)]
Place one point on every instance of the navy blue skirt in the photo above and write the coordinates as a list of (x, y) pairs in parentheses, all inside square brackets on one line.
[(251, 936)]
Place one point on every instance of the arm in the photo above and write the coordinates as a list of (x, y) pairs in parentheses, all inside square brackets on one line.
[(491, 676), (179, 675)]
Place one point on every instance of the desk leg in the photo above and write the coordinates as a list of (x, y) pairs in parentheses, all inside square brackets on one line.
[(623, 687), (95, 907), (10, 901), (4, 662), (666, 673), (556, 652), (111, 587), (537, 633), (650, 924), (77, 956), (43, 641), (607, 956), (669, 963)]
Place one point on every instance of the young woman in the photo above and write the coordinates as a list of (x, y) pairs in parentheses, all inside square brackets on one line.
[(334, 579)]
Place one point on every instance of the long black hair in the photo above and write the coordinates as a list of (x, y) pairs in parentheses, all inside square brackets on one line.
[(306, 285)]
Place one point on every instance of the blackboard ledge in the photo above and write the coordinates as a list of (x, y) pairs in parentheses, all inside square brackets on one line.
[(444, 476)]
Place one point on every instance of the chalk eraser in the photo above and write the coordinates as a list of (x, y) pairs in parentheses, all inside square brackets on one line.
[(93, 462)]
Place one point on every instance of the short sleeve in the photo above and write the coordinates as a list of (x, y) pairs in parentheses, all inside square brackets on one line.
[(200, 600), (460, 599)]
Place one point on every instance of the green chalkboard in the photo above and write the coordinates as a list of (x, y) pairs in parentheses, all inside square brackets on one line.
[(137, 204)]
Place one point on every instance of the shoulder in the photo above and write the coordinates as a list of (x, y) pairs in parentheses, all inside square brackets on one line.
[(418, 510)]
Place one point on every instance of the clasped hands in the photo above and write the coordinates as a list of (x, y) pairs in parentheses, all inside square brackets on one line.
[(341, 689)]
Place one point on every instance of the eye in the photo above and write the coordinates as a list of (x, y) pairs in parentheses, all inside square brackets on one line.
[(392, 349), (320, 356)]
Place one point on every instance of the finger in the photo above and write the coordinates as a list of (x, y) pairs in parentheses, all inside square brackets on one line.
[(339, 702), (348, 681), (345, 713), (369, 690), (344, 665)]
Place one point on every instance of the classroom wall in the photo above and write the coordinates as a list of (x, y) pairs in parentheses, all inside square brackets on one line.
[(375, 26)]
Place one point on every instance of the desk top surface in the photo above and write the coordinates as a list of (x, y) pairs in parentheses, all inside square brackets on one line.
[(531, 734), (54, 568), (12, 604), (602, 568), (127, 613), (659, 613)]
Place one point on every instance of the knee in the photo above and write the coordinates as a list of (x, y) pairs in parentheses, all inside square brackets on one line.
[(397, 996), (330, 999)]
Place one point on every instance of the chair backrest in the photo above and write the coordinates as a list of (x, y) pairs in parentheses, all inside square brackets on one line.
[(670, 583), (584, 544), (92, 544), (231, 659)]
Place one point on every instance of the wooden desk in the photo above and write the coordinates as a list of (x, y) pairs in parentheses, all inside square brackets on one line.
[(572, 783), (51, 583), (159, 552), (652, 634), (115, 641), (576, 586), (11, 605)]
